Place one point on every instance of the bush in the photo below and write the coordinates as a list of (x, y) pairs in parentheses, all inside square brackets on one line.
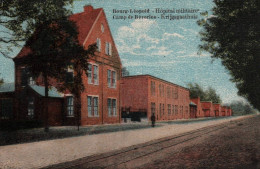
[(20, 124)]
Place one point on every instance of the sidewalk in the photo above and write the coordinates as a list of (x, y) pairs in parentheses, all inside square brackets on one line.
[(44, 153)]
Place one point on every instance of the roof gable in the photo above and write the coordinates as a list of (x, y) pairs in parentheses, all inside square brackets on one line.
[(84, 21)]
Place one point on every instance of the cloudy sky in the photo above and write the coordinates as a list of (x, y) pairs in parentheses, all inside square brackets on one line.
[(161, 47)]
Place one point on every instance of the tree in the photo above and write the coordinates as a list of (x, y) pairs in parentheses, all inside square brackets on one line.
[(205, 95), (54, 47), (125, 72), (20, 18), (212, 95), (241, 108), (52, 40), (232, 34), (1, 81)]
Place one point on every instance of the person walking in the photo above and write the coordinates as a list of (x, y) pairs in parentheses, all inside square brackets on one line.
[(153, 120)]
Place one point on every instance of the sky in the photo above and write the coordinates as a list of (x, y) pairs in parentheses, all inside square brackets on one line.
[(164, 48)]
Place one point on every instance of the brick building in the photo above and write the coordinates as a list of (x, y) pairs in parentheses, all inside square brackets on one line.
[(99, 101), (207, 108), (217, 109), (223, 110), (199, 112), (193, 110), (150, 95)]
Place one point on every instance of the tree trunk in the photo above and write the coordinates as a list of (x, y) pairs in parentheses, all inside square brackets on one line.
[(46, 85)]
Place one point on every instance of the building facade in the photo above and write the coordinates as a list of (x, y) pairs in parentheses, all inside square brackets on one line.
[(101, 98), (151, 95), (199, 112)]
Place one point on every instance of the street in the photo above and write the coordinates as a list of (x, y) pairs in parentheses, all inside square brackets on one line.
[(229, 145)]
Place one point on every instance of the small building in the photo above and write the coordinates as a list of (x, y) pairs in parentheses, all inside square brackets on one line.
[(207, 108), (7, 101), (193, 110), (147, 95), (217, 109), (229, 111), (199, 112), (223, 110)]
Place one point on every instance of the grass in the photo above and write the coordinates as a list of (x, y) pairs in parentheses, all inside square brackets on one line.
[(38, 134)]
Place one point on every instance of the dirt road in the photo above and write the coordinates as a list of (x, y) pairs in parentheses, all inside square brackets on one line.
[(235, 144)]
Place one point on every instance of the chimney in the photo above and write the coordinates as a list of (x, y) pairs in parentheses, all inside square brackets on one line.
[(88, 8)]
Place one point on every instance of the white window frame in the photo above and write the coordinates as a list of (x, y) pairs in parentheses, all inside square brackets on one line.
[(31, 81), (95, 74), (89, 73), (91, 111), (99, 44), (111, 78), (93, 77), (108, 50), (113, 84), (70, 106), (112, 108), (102, 28), (31, 107)]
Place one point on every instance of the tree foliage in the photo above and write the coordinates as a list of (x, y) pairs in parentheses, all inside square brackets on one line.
[(205, 95), (241, 108), (1, 81), (52, 40), (125, 72), (232, 34), (20, 18)]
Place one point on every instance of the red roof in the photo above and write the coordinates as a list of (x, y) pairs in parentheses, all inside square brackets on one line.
[(84, 21)]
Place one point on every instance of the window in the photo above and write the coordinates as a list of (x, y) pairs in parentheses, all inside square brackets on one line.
[(176, 93), (98, 44), (162, 90), (108, 49), (70, 108), (152, 88), (26, 78), (163, 109), (169, 109), (102, 28), (6, 108), (111, 105), (92, 74), (173, 93), (30, 107), (111, 78), (31, 81), (92, 106), (160, 109), (172, 109), (168, 92), (89, 74), (95, 74), (152, 108), (176, 109)]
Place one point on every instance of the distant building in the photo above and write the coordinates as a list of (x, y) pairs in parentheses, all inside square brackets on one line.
[(217, 109), (207, 108), (199, 112), (147, 95)]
